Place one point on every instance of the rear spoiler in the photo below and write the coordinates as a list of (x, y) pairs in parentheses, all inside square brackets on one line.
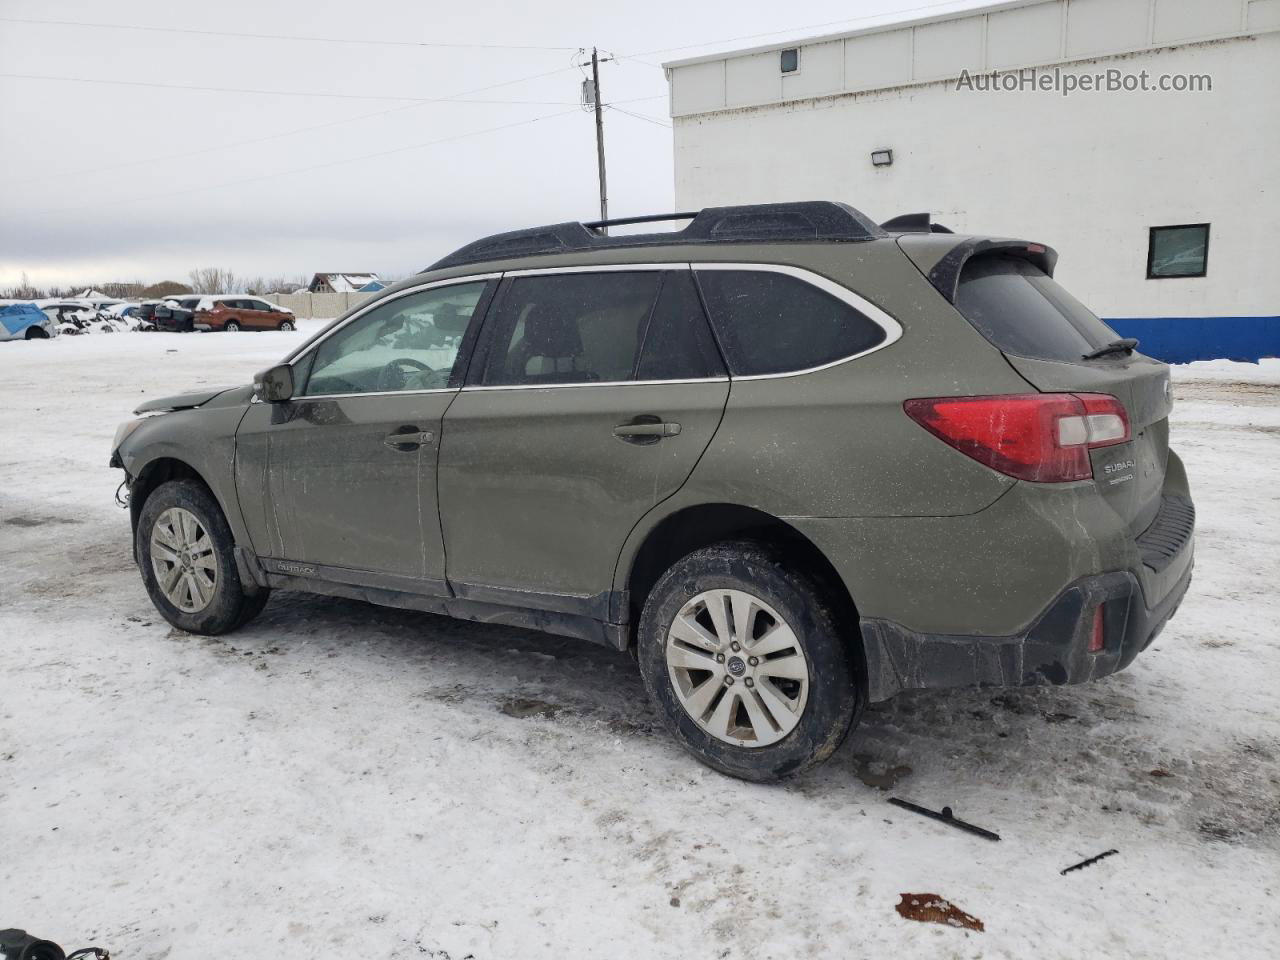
[(945, 275), (914, 223)]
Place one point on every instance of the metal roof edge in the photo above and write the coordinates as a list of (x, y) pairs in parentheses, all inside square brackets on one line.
[(848, 34)]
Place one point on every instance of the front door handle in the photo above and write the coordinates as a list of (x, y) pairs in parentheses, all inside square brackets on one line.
[(646, 430), (408, 441)]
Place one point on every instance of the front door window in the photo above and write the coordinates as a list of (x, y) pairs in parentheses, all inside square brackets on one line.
[(406, 344)]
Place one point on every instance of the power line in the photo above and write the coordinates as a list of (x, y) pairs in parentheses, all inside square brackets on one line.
[(640, 116), (655, 96), (286, 36), (276, 93), (787, 30), (315, 166), (277, 136)]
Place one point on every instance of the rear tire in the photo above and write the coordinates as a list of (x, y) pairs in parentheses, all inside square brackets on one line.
[(185, 550), (758, 717), (37, 333)]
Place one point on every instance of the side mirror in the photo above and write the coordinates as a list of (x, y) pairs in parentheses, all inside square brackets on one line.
[(275, 384)]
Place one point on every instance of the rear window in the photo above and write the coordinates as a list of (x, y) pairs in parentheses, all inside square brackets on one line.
[(1022, 311), (771, 322), (571, 328)]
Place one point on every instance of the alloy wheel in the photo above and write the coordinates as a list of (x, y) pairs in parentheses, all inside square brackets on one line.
[(184, 561), (737, 668)]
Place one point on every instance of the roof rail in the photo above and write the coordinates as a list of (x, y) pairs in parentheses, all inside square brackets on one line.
[(651, 218), (812, 220), (914, 223)]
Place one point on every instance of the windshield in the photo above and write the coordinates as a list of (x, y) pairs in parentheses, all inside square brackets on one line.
[(1023, 311)]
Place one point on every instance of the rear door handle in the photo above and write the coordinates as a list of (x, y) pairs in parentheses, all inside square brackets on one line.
[(649, 431), (403, 441)]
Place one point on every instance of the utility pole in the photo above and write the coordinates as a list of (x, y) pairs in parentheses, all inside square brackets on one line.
[(595, 84)]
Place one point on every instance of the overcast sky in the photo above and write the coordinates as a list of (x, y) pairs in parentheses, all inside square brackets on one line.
[(343, 156)]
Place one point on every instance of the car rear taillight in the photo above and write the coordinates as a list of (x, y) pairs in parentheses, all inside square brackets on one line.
[(1097, 638), (1042, 437)]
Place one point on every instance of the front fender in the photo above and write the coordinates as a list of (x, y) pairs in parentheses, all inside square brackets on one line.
[(204, 439)]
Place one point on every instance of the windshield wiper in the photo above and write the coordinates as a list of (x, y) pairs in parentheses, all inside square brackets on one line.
[(1126, 345)]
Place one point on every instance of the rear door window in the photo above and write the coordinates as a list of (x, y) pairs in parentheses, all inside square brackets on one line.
[(678, 344), (770, 322), (1023, 311), (570, 328)]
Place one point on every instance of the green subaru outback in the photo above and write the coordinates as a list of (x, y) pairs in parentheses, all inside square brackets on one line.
[(795, 461)]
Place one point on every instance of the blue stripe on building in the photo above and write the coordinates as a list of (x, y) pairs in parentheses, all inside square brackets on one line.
[(1184, 339)]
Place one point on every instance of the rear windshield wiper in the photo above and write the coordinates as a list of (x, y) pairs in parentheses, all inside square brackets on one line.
[(1126, 345)]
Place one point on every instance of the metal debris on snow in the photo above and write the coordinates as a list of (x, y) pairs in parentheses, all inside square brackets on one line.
[(1088, 863), (946, 817)]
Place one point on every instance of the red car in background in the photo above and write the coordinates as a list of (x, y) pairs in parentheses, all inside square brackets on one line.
[(240, 312)]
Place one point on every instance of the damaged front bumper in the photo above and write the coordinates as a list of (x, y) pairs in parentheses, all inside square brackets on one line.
[(1053, 650)]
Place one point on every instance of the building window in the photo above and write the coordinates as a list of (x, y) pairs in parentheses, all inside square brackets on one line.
[(1178, 251), (791, 60)]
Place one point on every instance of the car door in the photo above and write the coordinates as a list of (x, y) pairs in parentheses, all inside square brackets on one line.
[(339, 482), (259, 316), (590, 399)]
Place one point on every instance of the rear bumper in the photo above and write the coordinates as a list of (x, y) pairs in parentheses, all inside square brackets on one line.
[(1053, 650)]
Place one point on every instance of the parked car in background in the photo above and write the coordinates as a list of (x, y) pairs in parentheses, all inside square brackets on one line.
[(25, 321), (796, 461), (124, 314), (68, 311), (235, 312), (146, 314), (177, 314), (71, 317), (125, 308)]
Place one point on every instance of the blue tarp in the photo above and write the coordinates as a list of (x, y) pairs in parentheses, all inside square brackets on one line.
[(16, 317), (1184, 339)]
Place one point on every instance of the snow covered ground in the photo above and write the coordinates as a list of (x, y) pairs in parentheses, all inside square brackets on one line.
[(342, 779)]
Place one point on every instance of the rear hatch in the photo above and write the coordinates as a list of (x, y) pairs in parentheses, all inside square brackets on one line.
[(1005, 289)]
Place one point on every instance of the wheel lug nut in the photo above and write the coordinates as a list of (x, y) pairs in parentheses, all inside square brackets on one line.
[(719, 658), (735, 646), (753, 661), (728, 681), (749, 682)]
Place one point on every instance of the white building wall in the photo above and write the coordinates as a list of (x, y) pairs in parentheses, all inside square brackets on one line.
[(1087, 174)]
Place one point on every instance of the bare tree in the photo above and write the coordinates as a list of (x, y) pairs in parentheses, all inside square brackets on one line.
[(167, 288), (213, 280), (22, 291), (122, 289)]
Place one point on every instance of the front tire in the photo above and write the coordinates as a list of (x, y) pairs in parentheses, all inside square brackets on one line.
[(286, 325), (185, 550), (231, 326), (746, 664)]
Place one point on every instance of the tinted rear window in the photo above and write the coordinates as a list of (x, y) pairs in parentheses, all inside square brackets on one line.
[(771, 322), (571, 328), (1023, 311), (678, 344)]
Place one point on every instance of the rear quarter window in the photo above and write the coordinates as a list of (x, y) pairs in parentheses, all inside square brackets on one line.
[(770, 322), (1023, 311)]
